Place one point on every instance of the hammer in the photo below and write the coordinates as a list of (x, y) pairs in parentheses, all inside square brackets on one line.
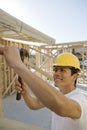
[(23, 53)]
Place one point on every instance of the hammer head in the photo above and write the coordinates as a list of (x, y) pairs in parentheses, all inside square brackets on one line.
[(23, 53)]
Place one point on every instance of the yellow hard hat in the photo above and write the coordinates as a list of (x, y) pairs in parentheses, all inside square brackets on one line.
[(67, 59)]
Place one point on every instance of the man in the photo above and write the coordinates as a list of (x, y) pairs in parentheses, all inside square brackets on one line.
[(68, 105)]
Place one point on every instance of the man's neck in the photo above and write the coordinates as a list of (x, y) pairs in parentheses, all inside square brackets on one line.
[(67, 90)]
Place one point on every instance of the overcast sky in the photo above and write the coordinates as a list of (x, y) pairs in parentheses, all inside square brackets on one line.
[(64, 20)]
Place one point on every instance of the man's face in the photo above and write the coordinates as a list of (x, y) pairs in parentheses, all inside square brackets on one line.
[(62, 77)]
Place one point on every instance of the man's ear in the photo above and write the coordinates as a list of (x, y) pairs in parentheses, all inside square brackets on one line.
[(75, 76)]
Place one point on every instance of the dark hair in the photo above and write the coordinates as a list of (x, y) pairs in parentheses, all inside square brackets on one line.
[(74, 71)]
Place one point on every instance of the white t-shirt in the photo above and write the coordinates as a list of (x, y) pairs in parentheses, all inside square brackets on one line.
[(65, 123)]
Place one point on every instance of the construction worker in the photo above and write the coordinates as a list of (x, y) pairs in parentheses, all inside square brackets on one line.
[(68, 104)]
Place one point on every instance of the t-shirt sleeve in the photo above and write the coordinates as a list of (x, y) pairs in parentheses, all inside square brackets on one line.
[(82, 100)]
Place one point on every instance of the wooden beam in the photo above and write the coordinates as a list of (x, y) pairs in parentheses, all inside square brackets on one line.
[(8, 124), (10, 85), (11, 27)]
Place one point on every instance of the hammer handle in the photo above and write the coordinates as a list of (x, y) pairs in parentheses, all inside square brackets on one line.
[(18, 96)]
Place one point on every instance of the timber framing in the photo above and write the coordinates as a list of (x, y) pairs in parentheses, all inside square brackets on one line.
[(40, 58)]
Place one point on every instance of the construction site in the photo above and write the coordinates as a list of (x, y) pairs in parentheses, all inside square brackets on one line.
[(40, 51)]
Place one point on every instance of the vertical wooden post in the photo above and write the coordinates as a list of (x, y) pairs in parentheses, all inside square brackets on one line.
[(38, 59), (1, 87), (1, 104)]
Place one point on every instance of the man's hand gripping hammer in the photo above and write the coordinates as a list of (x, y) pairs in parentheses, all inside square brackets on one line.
[(23, 53)]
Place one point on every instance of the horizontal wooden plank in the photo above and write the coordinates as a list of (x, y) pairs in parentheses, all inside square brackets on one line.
[(11, 27), (8, 124)]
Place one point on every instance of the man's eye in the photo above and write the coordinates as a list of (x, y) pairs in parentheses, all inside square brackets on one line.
[(55, 69), (62, 70)]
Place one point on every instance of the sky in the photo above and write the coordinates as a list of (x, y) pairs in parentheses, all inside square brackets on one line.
[(63, 20)]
